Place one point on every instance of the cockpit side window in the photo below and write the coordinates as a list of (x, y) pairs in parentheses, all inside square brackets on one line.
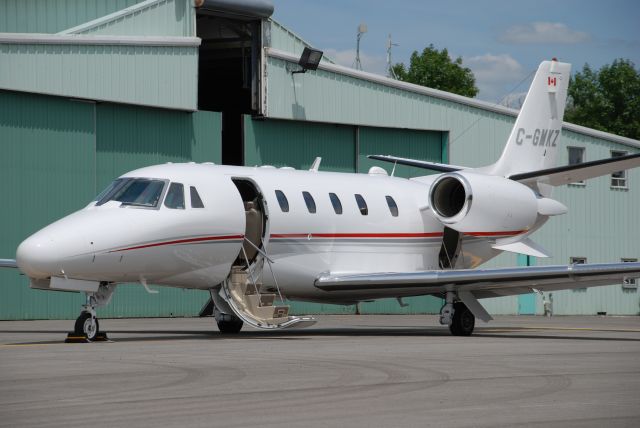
[(142, 192), (196, 202), (175, 196), (113, 185)]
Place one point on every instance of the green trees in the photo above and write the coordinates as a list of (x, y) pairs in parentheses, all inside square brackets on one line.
[(607, 99), (435, 69)]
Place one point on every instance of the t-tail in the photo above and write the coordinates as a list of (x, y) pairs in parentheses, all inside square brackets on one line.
[(534, 140)]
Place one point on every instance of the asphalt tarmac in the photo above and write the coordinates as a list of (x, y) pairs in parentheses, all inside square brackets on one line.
[(346, 371)]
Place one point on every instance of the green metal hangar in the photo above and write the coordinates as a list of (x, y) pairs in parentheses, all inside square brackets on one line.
[(92, 89)]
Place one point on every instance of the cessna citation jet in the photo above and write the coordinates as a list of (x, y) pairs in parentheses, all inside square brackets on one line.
[(254, 236)]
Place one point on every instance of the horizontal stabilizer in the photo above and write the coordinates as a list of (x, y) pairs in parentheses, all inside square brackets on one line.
[(524, 246), (8, 263), (583, 171), (433, 166)]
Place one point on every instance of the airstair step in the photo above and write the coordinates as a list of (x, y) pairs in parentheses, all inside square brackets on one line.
[(262, 300), (281, 312), (249, 288), (238, 276)]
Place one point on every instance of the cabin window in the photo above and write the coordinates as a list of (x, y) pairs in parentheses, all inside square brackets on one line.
[(142, 192), (619, 178), (311, 204), (335, 201), (362, 204), (576, 156), (393, 207), (175, 197), (196, 202), (282, 201)]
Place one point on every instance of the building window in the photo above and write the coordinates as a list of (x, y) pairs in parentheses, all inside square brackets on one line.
[(576, 156), (311, 204), (393, 207), (196, 202), (578, 261), (629, 283), (362, 204), (175, 197), (619, 178), (335, 201), (282, 201)]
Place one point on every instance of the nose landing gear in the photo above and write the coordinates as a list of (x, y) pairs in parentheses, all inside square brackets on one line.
[(87, 327)]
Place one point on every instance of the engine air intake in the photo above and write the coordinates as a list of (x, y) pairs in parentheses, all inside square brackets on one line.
[(448, 196)]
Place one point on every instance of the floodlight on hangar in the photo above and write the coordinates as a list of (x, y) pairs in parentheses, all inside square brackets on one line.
[(309, 60)]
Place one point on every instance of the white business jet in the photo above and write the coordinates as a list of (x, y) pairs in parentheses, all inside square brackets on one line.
[(254, 236)]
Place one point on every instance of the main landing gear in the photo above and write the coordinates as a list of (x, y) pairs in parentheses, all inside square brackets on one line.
[(457, 316), (87, 327), (228, 324)]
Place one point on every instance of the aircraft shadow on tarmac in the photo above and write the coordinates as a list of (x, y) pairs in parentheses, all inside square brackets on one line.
[(363, 331)]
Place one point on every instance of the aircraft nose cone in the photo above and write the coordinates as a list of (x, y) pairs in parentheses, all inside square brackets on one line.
[(36, 256)]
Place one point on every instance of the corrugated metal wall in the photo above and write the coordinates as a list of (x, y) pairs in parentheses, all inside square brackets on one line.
[(113, 62), (409, 143), (296, 144), (332, 97), (56, 155), (52, 16), (148, 18), (146, 75)]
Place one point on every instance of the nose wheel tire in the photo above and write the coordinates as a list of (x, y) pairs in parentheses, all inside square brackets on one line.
[(463, 320), (87, 325)]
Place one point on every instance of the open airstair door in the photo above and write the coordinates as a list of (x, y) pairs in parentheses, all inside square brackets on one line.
[(450, 249), (251, 290)]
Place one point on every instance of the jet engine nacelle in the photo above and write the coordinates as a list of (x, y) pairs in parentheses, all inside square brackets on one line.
[(471, 202)]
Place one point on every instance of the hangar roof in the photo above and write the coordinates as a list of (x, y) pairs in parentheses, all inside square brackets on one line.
[(396, 87)]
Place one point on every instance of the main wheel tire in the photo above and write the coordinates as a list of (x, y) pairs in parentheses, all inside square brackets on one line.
[(463, 320), (87, 325), (230, 327)]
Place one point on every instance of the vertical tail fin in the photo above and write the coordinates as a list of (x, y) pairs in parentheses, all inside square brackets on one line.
[(533, 143)]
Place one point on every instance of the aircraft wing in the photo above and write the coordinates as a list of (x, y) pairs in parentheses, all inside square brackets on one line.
[(434, 166), (483, 283), (572, 173), (8, 263)]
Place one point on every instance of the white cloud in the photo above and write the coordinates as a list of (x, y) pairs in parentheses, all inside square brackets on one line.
[(495, 75), (543, 32), (347, 57)]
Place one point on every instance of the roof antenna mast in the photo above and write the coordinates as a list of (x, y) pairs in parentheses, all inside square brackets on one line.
[(362, 28), (390, 44)]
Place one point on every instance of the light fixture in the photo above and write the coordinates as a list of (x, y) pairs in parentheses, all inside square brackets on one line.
[(309, 60)]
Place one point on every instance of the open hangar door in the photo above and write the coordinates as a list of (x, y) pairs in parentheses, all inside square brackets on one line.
[(230, 60)]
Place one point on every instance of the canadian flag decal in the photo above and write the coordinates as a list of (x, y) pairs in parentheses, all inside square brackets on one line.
[(551, 81)]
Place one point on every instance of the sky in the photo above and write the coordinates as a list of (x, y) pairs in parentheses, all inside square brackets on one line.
[(502, 42)]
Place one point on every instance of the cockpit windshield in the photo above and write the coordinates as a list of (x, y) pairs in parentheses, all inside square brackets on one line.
[(142, 192)]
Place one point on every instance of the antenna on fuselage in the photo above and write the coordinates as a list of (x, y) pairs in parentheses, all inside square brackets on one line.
[(316, 164), (393, 171)]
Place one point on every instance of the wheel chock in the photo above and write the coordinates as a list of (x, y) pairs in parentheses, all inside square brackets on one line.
[(81, 338)]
